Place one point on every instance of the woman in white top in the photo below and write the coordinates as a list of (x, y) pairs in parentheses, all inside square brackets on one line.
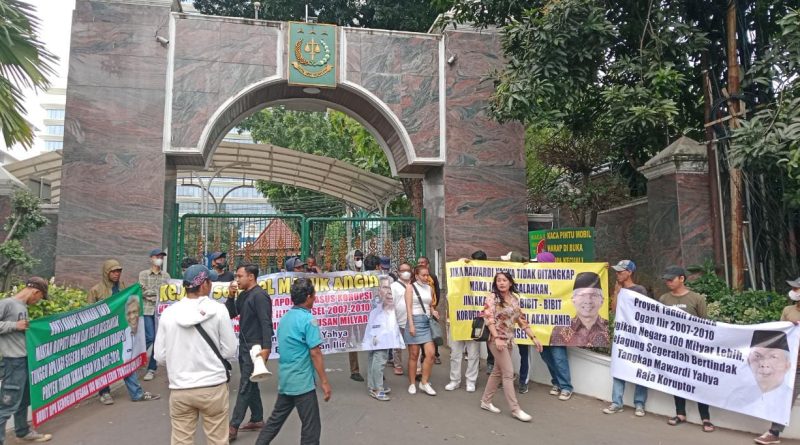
[(418, 329)]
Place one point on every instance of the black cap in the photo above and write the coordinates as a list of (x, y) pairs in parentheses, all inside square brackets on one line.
[(587, 279), (157, 252), (216, 255), (673, 271), (769, 339)]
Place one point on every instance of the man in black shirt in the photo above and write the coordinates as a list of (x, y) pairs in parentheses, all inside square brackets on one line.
[(219, 261), (254, 308)]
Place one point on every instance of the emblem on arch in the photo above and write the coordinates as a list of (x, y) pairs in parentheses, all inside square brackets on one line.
[(312, 54)]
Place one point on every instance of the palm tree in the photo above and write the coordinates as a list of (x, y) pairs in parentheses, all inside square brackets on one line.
[(24, 63)]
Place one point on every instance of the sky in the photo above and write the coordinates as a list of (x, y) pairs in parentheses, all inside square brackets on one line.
[(54, 32)]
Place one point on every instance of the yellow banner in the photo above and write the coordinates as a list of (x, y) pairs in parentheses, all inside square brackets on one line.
[(564, 302)]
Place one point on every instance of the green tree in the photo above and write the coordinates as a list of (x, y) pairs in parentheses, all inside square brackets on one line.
[(24, 63), (26, 218)]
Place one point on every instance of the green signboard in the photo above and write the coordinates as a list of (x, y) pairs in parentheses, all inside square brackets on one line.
[(312, 55), (71, 356), (567, 245)]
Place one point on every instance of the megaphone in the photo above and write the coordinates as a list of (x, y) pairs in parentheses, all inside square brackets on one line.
[(260, 371)]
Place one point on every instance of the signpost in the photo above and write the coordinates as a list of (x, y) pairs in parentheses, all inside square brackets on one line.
[(574, 245)]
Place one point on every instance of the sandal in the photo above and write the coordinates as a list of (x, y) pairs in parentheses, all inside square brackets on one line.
[(708, 427), (675, 421)]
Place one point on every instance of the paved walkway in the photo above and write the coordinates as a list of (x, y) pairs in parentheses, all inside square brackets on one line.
[(352, 417)]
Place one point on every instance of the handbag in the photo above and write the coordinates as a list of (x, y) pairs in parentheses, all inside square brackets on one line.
[(436, 328), (225, 363), (480, 330)]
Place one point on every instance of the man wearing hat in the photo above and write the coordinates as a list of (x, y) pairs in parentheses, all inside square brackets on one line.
[(219, 262), (295, 264), (587, 328), (151, 281), (15, 394), (679, 296)]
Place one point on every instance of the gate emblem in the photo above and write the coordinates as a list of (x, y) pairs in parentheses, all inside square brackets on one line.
[(312, 56)]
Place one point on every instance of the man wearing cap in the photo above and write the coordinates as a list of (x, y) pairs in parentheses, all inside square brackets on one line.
[(679, 296), (587, 328), (197, 377), (151, 281), (624, 271), (219, 262), (790, 313), (15, 394), (295, 264)]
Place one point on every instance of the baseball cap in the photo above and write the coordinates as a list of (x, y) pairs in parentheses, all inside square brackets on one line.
[(216, 255), (386, 262), (157, 252), (294, 262), (795, 283), (196, 274), (39, 284), (628, 265), (672, 272)]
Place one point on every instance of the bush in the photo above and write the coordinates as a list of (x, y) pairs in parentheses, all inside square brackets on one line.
[(59, 299)]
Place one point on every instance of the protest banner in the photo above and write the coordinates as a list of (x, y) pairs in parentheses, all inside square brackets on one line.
[(748, 369), (71, 356), (345, 304), (566, 304)]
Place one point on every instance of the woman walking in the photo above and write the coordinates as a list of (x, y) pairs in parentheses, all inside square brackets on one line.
[(419, 299), (501, 313)]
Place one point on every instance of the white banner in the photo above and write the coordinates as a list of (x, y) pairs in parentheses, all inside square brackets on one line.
[(747, 369)]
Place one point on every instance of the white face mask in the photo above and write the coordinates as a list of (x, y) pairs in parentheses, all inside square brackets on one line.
[(405, 276), (795, 296), (158, 262), (359, 263)]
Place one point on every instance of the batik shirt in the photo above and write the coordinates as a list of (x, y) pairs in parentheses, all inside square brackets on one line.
[(504, 317)]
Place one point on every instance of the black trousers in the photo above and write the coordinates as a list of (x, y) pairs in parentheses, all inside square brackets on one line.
[(248, 396), (308, 409), (680, 408)]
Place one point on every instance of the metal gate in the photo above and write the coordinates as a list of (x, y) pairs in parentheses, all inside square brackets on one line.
[(268, 240)]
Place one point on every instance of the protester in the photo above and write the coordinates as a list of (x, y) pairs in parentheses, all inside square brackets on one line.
[(355, 262), (457, 348), (254, 308), (555, 357), (790, 313), (481, 256), (198, 379), (311, 265), (419, 305), (624, 272), (110, 284), (681, 297), (502, 312), (186, 263), (219, 262), (399, 296), (386, 267), (381, 331), (300, 340), (151, 281), (524, 350), (295, 264), (15, 393), (436, 292)]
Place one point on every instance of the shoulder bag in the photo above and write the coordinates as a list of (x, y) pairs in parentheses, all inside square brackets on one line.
[(436, 328), (214, 348), (480, 330)]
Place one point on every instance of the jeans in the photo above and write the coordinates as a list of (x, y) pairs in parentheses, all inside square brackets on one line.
[(15, 396), (680, 408), (524, 363), (489, 357), (377, 362), (555, 357), (308, 409), (248, 395), (134, 388), (639, 394), (150, 338)]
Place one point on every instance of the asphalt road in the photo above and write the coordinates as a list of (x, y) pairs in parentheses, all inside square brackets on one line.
[(352, 417)]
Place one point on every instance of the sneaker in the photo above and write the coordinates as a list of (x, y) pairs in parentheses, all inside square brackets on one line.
[(148, 396), (398, 371), (565, 395), (452, 386), (232, 433), (613, 409), (427, 389), (470, 387), (523, 388), (149, 375), (412, 389), (490, 407), (106, 399), (555, 390), (639, 411), (521, 415), (252, 426), (357, 377), (437, 361), (489, 369), (379, 395), (386, 390), (34, 436), (767, 438)]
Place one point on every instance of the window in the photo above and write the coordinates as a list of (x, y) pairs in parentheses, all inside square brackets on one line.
[(55, 113), (188, 190), (55, 130), (53, 145), (40, 188)]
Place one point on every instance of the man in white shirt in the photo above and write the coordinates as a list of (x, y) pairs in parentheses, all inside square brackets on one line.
[(197, 368)]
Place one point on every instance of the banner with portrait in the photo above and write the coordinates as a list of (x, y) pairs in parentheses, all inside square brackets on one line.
[(748, 369), (354, 310), (72, 355), (565, 303)]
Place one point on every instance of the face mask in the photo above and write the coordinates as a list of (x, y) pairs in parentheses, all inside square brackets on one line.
[(222, 265), (795, 296), (405, 276), (158, 262), (359, 263)]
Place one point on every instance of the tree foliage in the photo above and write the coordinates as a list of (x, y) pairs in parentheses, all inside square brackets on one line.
[(26, 218)]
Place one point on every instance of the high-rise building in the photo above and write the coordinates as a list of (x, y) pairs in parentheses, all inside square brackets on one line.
[(51, 136)]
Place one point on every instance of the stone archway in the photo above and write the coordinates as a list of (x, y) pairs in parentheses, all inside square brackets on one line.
[(138, 108)]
